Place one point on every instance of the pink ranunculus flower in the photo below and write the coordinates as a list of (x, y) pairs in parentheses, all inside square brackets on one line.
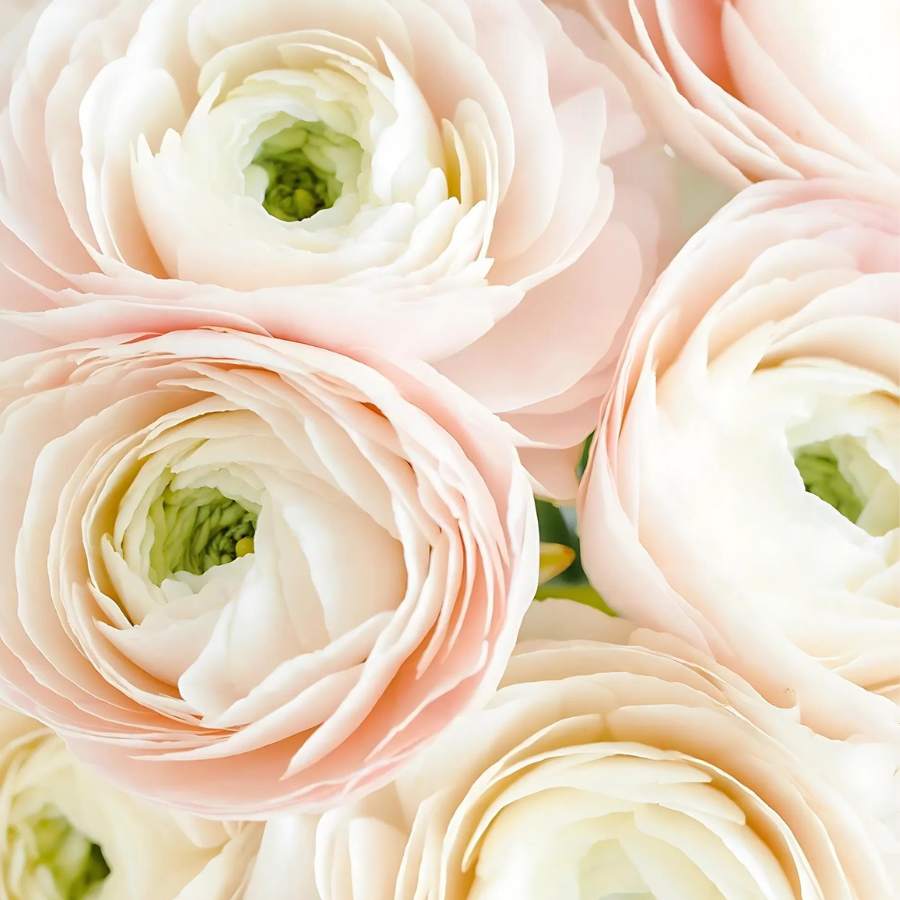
[(459, 182), (241, 574), (758, 89), (613, 762), (744, 486)]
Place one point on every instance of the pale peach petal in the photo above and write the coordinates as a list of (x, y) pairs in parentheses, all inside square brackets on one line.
[(757, 89), (791, 291)]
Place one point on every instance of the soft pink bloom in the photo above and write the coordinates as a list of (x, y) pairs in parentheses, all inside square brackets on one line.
[(766, 361), (241, 574), (757, 89), (502, 220)]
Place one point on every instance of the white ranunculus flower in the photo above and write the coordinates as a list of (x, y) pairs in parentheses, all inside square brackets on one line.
[(65, 834), (623, 765), (447, 179), (744, 486)]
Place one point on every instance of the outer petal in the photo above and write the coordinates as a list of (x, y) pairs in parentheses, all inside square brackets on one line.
[(799, 278), (749, 89)]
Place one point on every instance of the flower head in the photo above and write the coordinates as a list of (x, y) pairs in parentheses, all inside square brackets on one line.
[(744, 489), (612, 763), (65, 834), (272, 572)]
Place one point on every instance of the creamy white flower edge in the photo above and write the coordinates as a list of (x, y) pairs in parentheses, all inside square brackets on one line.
[(775, 328), (613, 762), (151, 853), (395, 554)]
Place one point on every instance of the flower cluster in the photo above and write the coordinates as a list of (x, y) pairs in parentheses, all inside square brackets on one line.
[(432, 467)]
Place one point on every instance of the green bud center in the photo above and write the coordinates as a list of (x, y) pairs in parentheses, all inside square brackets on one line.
[(54, 860), (196, 529), (305, 164), (821, 472)]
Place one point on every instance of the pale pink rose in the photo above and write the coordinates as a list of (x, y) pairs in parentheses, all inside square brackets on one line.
[(495, 200), (623, 764), (757, 89), (240, 574), (743, 487)]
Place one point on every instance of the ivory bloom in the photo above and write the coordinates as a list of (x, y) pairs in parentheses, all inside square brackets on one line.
[(624, 764), (743, 489), (460, 182), (65, 834), (241, 574), (757, 89)]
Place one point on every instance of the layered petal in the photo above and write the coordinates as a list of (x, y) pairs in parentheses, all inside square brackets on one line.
[(244, 574), (758, 89), (613, 762), (743, 487), (452, 182)]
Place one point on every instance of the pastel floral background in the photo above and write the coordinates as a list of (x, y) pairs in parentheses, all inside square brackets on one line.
[(449, 450)]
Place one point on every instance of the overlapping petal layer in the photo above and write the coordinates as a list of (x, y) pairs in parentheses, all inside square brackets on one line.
[(623, 764), (241, 574), (758, 89), (743, 490), (458, 182), (67, 834)]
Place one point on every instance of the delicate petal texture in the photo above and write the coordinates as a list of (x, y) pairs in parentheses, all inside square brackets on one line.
[(623, 765), (12, 12), (241, 574), (743, 487), (54, 809), (757, 89), (450, 180)]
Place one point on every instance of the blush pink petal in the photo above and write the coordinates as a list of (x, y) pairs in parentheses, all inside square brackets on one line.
[(545, 159), (283, 693), (752, 90)]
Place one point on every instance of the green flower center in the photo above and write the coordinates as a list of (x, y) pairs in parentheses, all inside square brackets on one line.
[(822, 476), (196, 529), (56, 860), (305, 165)]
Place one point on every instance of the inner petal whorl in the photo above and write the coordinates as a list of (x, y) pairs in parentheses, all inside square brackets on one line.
[(52, 855), (303, 165), (196, 529), (822, 476)]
